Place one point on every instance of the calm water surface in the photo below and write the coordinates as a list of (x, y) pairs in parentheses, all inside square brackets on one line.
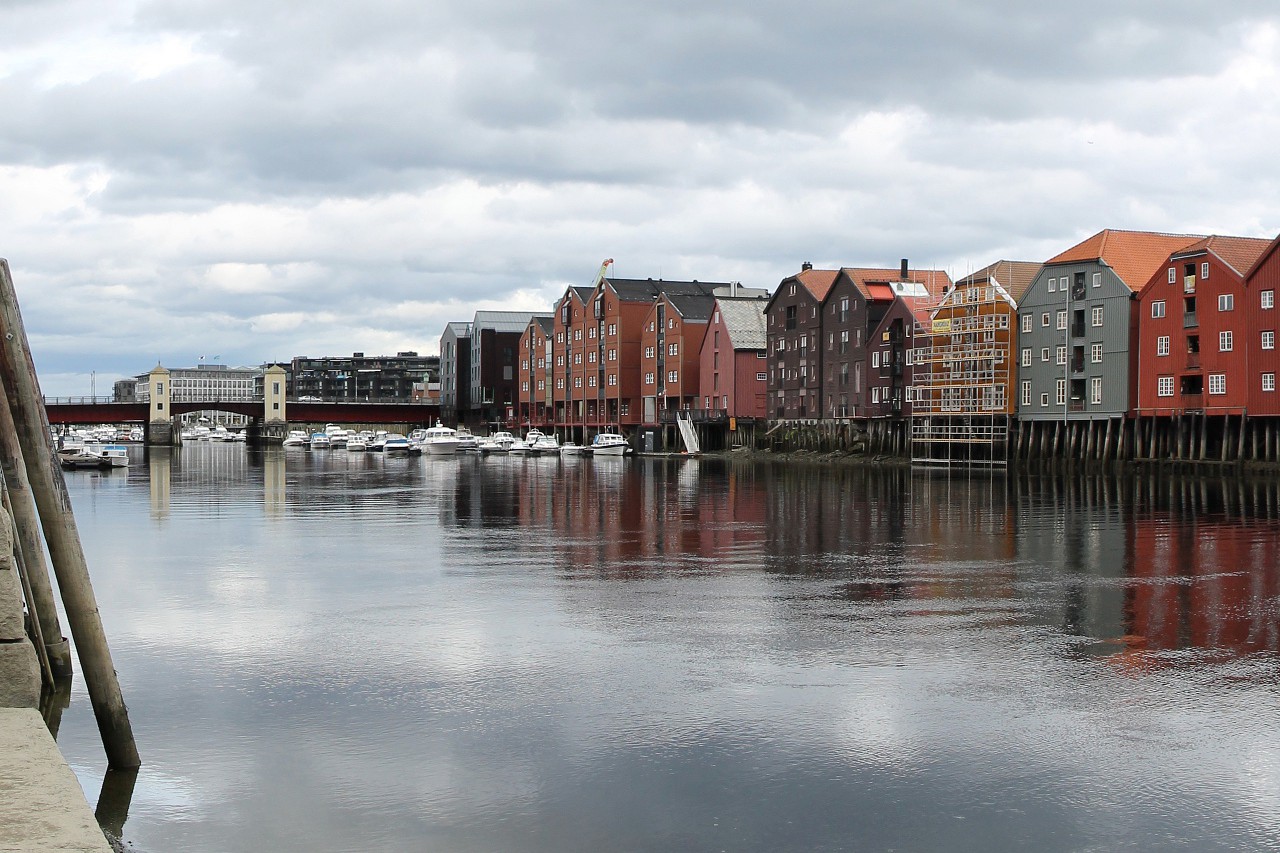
[(330, 651)]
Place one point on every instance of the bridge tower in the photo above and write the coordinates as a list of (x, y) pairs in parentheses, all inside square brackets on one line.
[(275, 426), (160, 429)]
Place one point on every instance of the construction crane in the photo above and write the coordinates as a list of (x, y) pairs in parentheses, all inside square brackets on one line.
[(600, 275)]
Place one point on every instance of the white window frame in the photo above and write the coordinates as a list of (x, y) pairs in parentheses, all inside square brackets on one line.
[(761, 377), (1157, 309), (1162, 345), (1097, 279), (1028, 322), (1226, 301), (1204, 269), (1044, 320), (1044, 398), (1095, 353), (1226, 343), (1164, 386), (1173, 275), (1026, 392), (1044, 353), (1026, 356), (1060, 391), (1061, 356), (1061, 321), (1267, 299), (1268, 382), (1095, 391), (1269, 339), (1095, 316), (1217, 384), (1053, 285)]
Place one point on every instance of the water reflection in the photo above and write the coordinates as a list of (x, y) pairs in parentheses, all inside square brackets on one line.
[(351, 651)]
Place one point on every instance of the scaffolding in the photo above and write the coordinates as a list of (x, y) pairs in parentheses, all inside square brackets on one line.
[(961, 406)]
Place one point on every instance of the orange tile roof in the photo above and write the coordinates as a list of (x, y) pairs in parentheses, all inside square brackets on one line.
[(935, 281), (1239, 253), (1134, 255), (817, 282)]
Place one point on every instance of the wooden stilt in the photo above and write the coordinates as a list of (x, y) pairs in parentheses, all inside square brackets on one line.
[(61, 536)]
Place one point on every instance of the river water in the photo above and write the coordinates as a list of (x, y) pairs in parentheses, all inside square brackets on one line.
[(324, 651)]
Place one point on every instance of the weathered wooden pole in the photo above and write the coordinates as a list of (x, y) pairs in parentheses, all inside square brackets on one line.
[(27, 537), (61, 536)]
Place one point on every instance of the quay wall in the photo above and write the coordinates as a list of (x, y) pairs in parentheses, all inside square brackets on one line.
[(19, 668)]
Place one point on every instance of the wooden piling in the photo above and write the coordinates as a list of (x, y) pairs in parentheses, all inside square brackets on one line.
[(26, 535), (54, 505)]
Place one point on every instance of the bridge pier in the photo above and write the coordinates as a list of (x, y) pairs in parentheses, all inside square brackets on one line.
[(274, 427), (160, 431)]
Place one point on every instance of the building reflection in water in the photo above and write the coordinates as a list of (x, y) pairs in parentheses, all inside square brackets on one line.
[(160, 474)]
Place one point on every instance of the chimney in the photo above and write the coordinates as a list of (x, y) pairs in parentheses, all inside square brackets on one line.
[(904, 269), (806, 266)]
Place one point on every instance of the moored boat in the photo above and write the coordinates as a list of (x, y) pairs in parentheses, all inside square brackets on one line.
[(296, 438), (609, 444), (395, 443), (94, 455), (440, 440)]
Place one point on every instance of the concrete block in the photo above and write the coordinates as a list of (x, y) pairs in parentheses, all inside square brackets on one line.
[(19, 676), (11, 624), (42, 807)]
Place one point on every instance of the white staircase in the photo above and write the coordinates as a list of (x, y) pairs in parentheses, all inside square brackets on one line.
[(687, 432)]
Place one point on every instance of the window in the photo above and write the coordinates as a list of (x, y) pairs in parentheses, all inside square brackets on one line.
[(673, 377), (1095, 316), (1162, 345), (591, 381), (648, 352), (591, 333), (1268, 382), (1268, 299), (613, 379), (613, 328), (875, 358), (1164, 386), (1060, 392), (760, 377), (1027, 322), (1173, 275), (1095, 391), (1157, 309), (1095, 353), (1097, 279), (1268, 340), (673, 349), (1026, 393), (1217, 383), (1053, 285), (1224, 342), (591, 357), (1062, 355), (1044, 320), (1062, 320), (1226, 301), (1044, 353), (648, 378), (1204, 270), (1026, 356), (875, 394), (1044, 399), (613, 355)]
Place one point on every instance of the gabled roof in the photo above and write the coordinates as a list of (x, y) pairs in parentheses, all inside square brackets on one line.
[(936, 282), (1239, 253), (459, 328), (1262, 259), (546, 321), (584, 293), (1014, 276), (644, 290), (1133, 255), (744, 320), (817, 282), (692, 308)]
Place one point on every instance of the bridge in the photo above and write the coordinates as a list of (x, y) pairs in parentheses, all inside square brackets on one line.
[(269, 416)]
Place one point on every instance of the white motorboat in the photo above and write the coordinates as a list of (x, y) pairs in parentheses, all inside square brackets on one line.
[(94, 455), (319, 441), (545, 444), (499, 442), (337, 435), (357, 442), (395, 443), (572, 449), (296, 438), (609, 444), (440, 440), (377, 441), (467, 443)]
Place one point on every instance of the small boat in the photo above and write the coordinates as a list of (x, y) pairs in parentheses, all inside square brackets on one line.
[(572, 449), (439, 440), (395, 443), (609, 444), (296, 438), (239, 436), (545, 444), (377, 441), (467, 443), (499, 442), (319, 441), (338, 436), (357, 442), (219, 433), (91, 455)]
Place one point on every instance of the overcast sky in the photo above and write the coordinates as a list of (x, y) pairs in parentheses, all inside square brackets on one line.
[(250, 181)]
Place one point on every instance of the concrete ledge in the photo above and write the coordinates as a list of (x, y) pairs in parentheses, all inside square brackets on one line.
[(42, 809)]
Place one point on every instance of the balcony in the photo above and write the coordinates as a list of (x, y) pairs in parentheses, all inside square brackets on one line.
[(1189, 320), (1077, 329), (1193, 361), (1077, 364), (1076, 405)]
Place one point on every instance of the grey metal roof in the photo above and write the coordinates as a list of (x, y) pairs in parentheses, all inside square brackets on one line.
[(502, 321), (460, 329), (744, 319)]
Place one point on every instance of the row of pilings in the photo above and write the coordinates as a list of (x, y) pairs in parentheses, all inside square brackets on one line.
[(1186, 439)]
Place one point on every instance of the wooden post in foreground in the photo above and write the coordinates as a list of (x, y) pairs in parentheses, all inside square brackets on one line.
[(27, 536), (61, 536)]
